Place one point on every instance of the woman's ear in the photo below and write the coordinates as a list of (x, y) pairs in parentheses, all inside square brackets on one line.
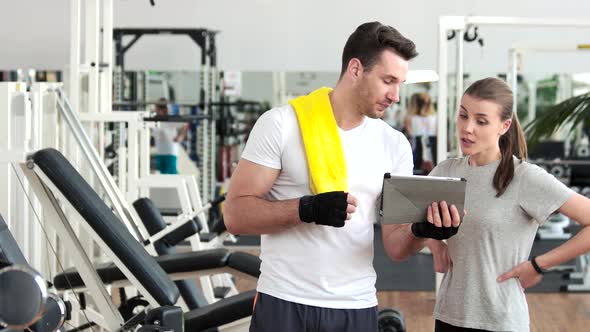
[(505, 126)]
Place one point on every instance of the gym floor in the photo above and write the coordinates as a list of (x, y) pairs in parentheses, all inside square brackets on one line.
[(557, 312), (548, 311)]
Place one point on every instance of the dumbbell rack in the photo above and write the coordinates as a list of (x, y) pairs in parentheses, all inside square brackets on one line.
[(561, 169)]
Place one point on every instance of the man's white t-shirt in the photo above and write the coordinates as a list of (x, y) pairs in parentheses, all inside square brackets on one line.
[(320, 265), (164, 136)]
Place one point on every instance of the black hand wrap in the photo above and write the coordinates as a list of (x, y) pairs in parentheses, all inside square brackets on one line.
[(324, 209), (428, 230)]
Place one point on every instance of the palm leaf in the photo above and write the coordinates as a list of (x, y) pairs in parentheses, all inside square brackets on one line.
[(571, 111)]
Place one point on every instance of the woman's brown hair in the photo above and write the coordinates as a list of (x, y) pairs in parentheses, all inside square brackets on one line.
[(513, 142), (421, 104)]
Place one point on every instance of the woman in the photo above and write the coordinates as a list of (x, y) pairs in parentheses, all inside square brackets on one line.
[(486, 264), (420, 127)]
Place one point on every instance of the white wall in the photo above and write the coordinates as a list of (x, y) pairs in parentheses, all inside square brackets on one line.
[(34, 34), (287, 35)]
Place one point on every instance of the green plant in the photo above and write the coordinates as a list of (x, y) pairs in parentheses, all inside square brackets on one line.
[(572, 111)]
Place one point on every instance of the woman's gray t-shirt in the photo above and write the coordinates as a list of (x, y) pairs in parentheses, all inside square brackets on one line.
[(496, 235)]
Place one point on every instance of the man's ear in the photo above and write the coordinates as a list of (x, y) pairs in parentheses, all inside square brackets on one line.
[(355, 68)]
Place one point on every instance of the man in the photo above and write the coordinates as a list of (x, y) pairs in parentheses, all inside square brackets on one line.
[(317, 245), (166, 138)]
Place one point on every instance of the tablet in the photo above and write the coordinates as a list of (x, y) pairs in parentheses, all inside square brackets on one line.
[(405, 199)]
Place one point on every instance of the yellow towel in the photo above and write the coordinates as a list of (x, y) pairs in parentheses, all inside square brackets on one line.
[(325, 157)]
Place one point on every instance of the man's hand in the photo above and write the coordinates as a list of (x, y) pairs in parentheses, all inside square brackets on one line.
[(437, 227), (330, 209)]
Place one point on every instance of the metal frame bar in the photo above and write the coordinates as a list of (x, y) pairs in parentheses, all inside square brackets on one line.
[(213, 96), (175, 226), (18, 132), (75, 24), (460, 23), (172, 181), (57, 193), (449, 23), (129, 168), (47, 128), (205, 39), (112, 191), (199, 36), (6, 95), (177, 276), (46, 192), (515, 55), (91, 55)]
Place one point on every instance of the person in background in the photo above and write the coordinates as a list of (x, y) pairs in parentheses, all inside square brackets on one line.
[(420, 128), (167, 137)]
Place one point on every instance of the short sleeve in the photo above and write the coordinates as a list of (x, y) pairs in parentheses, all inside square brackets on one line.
[(540, 194), (405, 160), (442, 169), (264, 143)]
